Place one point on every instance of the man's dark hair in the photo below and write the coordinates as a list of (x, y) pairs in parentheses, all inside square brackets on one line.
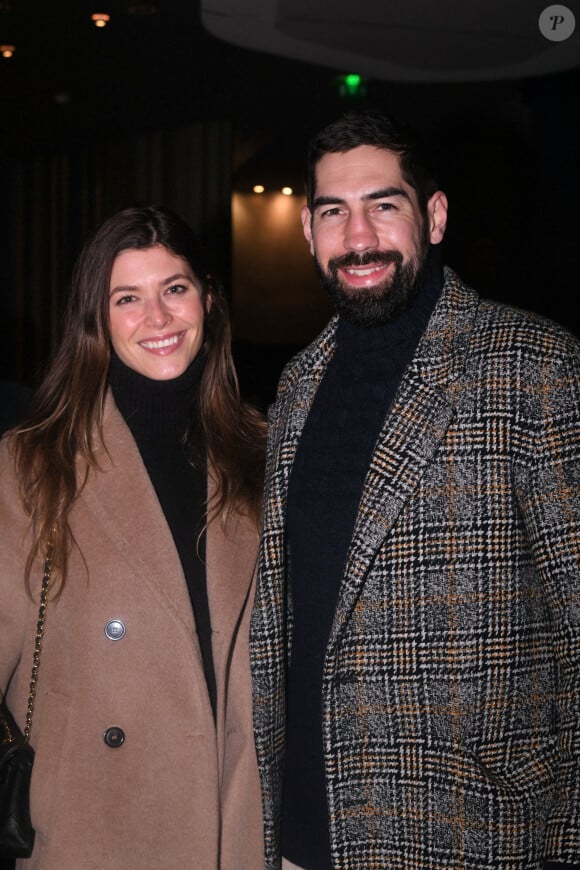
[(381, 131)]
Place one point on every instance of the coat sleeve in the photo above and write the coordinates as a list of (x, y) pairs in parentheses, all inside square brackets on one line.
[(550, 500)]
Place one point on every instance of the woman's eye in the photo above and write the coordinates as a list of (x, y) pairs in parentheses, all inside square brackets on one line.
[(123, 300), (177, 288)]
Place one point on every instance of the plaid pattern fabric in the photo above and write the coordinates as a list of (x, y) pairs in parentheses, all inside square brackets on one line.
[(452, 675)]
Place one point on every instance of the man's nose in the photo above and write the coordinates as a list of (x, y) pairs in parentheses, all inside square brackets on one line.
[(158, 314), (361, 234)]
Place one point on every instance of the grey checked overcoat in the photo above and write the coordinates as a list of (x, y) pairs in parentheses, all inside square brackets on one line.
[(451, 714)]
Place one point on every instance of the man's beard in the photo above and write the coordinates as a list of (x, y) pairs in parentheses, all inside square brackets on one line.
[(382, 303)]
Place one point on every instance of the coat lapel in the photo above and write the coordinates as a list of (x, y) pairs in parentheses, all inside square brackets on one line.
[(231, 553), (122, 500), (413, 429), (286, 419), (411, 434)]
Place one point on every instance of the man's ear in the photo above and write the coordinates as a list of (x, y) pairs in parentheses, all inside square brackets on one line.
[(437, 217), (306, 216)]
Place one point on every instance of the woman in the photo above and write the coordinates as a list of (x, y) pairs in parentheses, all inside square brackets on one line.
[(143, 466)]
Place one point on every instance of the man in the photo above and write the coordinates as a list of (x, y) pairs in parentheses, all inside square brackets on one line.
[(415, 639)]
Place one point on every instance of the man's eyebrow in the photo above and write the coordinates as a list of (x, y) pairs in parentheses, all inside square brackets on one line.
[(383, 193), (387, 192), (328, 200)]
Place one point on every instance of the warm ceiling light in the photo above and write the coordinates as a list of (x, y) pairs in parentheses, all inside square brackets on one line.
[(101, 19), (258, 188), (287, 191), (7, 50)]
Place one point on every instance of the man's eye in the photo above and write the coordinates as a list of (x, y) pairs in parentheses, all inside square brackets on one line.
[(385, 206), (330, 212)]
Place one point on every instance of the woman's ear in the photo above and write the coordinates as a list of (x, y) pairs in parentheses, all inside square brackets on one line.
[(207, 291)]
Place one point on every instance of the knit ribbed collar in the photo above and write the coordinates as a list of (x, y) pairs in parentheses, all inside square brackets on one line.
[(405, 331), (156, 408)]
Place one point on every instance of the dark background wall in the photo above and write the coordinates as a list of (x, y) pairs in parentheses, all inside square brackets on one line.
[(156, 109)]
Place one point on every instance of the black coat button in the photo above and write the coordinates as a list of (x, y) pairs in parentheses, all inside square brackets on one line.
[(114, 737)]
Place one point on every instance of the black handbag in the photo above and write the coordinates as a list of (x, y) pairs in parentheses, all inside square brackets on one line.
[(17, 755)]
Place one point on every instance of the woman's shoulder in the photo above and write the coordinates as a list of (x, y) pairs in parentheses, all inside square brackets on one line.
[(234, 530), (7, 461), (14, 519)]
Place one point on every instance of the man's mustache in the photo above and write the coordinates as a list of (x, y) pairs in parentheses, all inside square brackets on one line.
[(365, 259)]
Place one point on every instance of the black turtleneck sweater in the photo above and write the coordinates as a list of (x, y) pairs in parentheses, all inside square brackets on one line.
[(158, 413), (324, 492)]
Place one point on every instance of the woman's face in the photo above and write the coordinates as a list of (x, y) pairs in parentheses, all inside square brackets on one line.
[(156, 313)]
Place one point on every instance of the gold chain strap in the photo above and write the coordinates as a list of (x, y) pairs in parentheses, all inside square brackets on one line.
[(38, 639)]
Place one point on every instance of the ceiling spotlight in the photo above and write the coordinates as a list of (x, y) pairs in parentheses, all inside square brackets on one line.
[(100, 19), (258, 188), (7, 50), (287, 191)]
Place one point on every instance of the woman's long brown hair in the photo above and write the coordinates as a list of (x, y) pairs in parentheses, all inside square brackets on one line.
[(56, 446)]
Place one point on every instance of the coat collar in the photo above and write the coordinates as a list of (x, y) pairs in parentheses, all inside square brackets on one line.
[(439, 358), (417, 420), (123, 501)]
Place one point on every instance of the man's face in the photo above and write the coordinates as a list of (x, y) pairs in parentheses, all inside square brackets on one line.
[(367, 234)]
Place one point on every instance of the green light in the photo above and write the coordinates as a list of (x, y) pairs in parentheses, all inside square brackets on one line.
[(352, 82), (351, 85)]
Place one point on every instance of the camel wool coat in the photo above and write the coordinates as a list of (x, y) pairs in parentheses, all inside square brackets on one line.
[(179, 791)]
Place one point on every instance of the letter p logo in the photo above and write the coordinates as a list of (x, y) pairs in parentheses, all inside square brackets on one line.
[(557, 23)]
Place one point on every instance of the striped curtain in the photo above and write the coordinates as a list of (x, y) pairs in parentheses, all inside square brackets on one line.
[(51, 202)]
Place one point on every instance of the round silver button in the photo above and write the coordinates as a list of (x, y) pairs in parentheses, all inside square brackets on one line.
[(115, 629), (114, 737)]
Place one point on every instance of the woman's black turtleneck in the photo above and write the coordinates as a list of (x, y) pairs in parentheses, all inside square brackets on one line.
[(323, 496), (158, 414)]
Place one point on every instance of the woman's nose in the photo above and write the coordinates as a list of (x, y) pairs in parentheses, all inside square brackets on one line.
[(158, 314)]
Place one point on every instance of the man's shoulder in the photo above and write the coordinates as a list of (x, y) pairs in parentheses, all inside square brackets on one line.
[(310, 357), (518, 329), (500, 326)]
